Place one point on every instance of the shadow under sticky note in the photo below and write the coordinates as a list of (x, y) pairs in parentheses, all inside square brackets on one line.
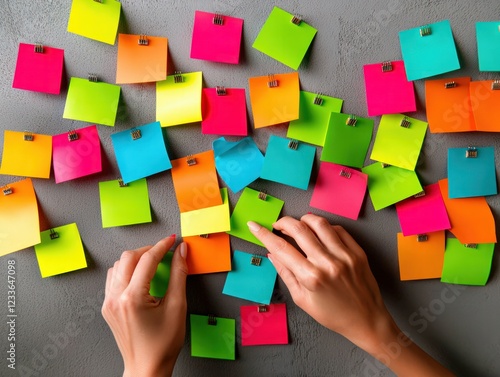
[(208, 254), (488, 40), (214, 340), (224, 114), (263, 324), (159, 283)]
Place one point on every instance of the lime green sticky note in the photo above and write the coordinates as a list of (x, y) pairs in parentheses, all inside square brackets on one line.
[(178, 99), (60, 251), (95, 19), (347, 140), (159, 284), (124, 205), (284, 40), (314, 114), (399, 141), (93, 102), (213, 337), (467, 265)]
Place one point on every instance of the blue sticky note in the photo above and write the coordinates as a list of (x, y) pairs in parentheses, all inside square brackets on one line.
[(488, 45), (288, 162), (238, 163), (140, 152), (431, 54), (252, 278), (471, 176)]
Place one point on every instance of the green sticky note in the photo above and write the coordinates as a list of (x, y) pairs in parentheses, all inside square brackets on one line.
[(251, 208), (284, 40), (399, 141), (467, 265), (213, 337), (314, 114), (125, 205), (96, 20), (389, 185), (60, 251), (347, 144), (159, 284), (93, 102)]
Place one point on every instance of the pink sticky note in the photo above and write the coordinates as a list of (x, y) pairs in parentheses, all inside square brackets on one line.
[(423, 214), (224, 114), (263, 324), (39, 71), (339, 190), (216, 37), (388, 91), (78, 157)]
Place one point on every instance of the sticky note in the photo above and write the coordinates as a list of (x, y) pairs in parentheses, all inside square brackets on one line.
[(274, 98), (216, 37), (39, 71), (140, 152), (19, 219), (60, 251), (423, 213), (159, 284), (467, 265), (124, 204), (251, 208), (208, 254), (252, 278), (288, 162), (96, 20), (179, 102), (141, 58), (471, 218), (472, 176), (26, 154), (398, 145), (314, 115), (431, 54), (224, 112), (212, 337), (93, 102), (339, 190), (261, 325), (484, 104), (76, 158), (195, 181), (345, 144), (285, 40), (421, 259), (390, 184), (238, 163), (488, 40), (448, 105)]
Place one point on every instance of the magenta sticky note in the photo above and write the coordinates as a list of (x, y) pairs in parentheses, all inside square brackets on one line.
[(263, 324), (224, 111), (216, 37), (388, 91), (76, 154), (39, 68), (423, 213), (339, 190)]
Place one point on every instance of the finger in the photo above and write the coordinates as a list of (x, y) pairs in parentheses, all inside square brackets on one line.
[(176, 290), (126, 266), (108, 282), (287, 276), (348, 240)]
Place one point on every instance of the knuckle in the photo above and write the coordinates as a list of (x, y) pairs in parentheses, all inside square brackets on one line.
[(299, 228), (126, 255), (338, 228), (316, 278), (279, 245)]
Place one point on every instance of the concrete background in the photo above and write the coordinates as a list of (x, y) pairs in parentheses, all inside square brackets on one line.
[(461, 330)]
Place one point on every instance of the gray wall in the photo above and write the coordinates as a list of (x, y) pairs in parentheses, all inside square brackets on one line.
[(464, 334)]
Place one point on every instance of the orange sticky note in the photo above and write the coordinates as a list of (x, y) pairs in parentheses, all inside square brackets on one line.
[(274, 98), (485, 104), (208, 255), (195, 182), (421, 259), (471, 218)]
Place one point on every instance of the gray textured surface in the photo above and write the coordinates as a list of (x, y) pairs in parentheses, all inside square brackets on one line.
[(464, 335)]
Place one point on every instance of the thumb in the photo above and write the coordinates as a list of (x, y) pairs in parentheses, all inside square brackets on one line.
[(178, 273)]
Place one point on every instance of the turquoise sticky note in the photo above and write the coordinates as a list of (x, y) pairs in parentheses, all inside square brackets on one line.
[(252, 278), (429, 50), (140, 152), (471, 172), (288, 162), (238, 163), (488, 45)]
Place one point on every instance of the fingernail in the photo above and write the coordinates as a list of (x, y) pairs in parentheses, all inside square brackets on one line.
[(270, 260), (183, 249), (309, 213), (253, 226), (173, 235)]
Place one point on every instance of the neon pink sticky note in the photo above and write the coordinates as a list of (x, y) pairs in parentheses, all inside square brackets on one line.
[(216, 37), (224, 112), (423, 214), (388, 91), (263, 324), (339, 190), (76, 156), (39, 68)]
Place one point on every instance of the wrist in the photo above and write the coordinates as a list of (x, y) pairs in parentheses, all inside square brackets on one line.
[(164, 369)]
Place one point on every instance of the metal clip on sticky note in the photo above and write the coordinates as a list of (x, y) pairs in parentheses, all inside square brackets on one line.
[(351, 121), (204, 235), (384, 165), (345, 173), (178, 77), (318, 100), (136, 134), (293, 144), (422, 237), (143, 40), (495, 85), (28, 136), (212, 320), (121, 183), (53, 234), (262, 308), (220, 90), (92, 77), (405, 122), (256, 260), (191, 160), (387, 67), (7, 191), (218, 19), (425, 31), (262, 195), (471, 152), (72, 135), (450, 85), (471, 245), (271, 81), (38, 48), (420, 194), (296, 20)]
